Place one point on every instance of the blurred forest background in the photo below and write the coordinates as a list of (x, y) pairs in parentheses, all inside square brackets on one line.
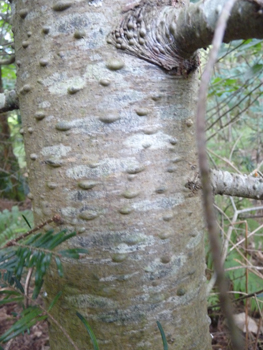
[(234, 131)]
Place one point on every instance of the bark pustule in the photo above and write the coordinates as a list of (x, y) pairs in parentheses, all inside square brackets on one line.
[(109, 142)]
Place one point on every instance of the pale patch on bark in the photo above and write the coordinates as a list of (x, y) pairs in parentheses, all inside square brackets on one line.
[(44, 104), (114, 278), (57, 150), (106, 167), (85, 21), (177, 262), (156, 141), (121, 98), (187, 298), (69, 212), (90, 301), (195, 241), (160, 203), (58, 83), (25, 76), (147, 241)]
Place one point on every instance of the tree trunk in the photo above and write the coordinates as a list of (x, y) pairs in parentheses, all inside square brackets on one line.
[(110, 145)]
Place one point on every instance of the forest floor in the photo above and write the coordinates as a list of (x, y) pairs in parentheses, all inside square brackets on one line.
[(36, 339)]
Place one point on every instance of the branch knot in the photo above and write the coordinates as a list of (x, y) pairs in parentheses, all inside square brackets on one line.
[(146, 31)]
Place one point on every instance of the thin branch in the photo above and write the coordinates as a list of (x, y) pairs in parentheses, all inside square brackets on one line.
[(251, 234), (56, 218), (226, 306), (231, 121), (239, 299), (228, 162), (233, 107), (226, 101), (234, 146), (59, 326), (257, 168)]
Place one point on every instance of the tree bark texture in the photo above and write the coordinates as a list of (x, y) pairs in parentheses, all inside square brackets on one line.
[(236, 185), (109, 144)]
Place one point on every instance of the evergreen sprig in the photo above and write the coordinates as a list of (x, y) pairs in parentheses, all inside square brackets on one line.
[(31, 252)]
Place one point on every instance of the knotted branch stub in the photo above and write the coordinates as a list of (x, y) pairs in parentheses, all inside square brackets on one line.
[(145, 31)]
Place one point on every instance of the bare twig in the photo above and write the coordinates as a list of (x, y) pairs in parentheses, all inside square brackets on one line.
[(239, 299), (226, 306), (251, 234), (230, 109), (56, 218), (225, 160)]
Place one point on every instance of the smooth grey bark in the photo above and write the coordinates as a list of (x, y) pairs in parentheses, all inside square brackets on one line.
[(110, 142)]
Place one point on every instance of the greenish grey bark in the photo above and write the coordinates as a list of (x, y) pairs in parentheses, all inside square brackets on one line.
[(110, 145)]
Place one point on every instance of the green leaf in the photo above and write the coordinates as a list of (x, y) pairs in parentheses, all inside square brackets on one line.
[(60, 238), (165, 345), (19, 285), (44, 239), (23, 216), (34, 258), (54, 300), (59, 266), (46, 263), (37, 289), (8, 301), (39, 268), (32, 239), (91, 334), (9, 292)]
